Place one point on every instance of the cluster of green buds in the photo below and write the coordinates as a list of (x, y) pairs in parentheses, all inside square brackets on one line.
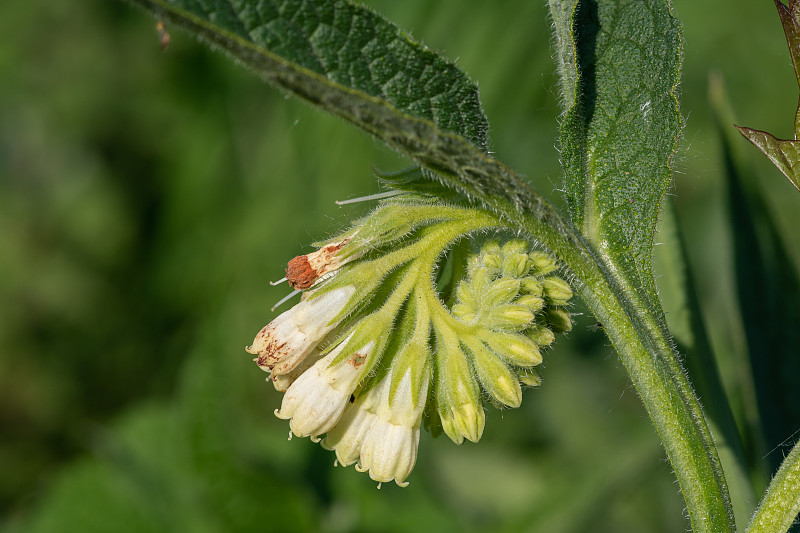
[(400, 322)]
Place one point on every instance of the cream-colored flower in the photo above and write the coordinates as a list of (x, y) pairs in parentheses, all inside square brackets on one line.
[(282, 382), (286, 341), (347, 437), (389, 451), (314, 403), (382, 435), (376, 287)]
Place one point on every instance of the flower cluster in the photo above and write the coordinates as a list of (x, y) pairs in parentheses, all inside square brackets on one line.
[(372, 349)]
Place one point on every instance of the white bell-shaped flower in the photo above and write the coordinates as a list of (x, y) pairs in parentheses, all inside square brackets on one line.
[(314, 403), (286, 341), (347, 437)]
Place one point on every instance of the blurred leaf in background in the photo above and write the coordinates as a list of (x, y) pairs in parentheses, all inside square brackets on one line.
[(147, 197)]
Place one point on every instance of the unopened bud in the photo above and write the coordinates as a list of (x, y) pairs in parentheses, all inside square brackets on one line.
[(542, 264), (559, 320), (463, 421), (514, 246), (530, 377), (491, 248), (491, 261), (457, 393), (534, 303), (557, 291), (541, 335), (501, 291), (515, 265), (495, 376), (532, 286), (509, 317), (516, 349)]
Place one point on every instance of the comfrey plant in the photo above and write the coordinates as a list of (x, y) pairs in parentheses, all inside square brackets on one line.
[(372, 349), (445, 295)]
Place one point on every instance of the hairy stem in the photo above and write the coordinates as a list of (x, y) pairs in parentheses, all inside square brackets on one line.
[(781, 503), (652, 363)]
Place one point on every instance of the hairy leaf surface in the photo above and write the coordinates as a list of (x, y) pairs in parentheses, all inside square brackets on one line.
[(348, 46), (351, 62), (621, 128)]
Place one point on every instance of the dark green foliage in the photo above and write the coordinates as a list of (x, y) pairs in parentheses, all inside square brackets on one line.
[(621, 127)]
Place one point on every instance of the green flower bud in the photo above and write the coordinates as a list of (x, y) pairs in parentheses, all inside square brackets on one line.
[(500, 292), (541, 335), (457, 393), (557, 291), (515, 265), (465, 295), (479, 282), (463, 421), (499, 381), (534, 303), (542, 263), (530, 377), (559, 320), (516, 349), (512, 317), (532, 286), (491, 248), (514, 246), (492, 261), (464, 312)]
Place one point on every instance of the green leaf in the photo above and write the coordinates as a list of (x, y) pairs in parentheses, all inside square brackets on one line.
[(619, 134), (618, 138), (329, 52), (790, 20), (768, 288), (784, 154), (351, 62)]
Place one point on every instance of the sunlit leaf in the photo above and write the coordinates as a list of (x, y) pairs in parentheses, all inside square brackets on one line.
[(620, 132)]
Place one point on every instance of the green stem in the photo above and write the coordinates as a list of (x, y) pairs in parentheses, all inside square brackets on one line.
[(781, 503), (651, 361), (643, 344)]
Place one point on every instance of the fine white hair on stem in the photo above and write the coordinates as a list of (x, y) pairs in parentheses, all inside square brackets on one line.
[(376, 196)]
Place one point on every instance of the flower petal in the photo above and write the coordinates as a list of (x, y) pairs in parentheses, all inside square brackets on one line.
[(286, 341)]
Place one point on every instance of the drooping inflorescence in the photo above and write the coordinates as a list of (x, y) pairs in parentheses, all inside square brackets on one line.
[(392, 329)]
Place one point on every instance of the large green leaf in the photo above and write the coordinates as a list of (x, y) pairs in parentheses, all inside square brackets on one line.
[(620, 63), (621, 129), (308, 46), (351, 62)]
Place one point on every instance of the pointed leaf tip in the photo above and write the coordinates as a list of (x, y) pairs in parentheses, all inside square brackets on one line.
[(784, 154)]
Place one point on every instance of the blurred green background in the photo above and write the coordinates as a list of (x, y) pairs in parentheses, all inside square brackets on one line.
[(147, 197)]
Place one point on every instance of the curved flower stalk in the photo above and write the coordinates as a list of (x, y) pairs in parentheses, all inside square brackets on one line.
[(371, 343)]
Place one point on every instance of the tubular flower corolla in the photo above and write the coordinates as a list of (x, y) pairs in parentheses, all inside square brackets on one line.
[(372, 351)]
